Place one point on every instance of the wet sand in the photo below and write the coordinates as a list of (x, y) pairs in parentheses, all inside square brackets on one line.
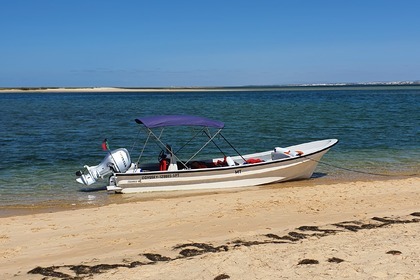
[(354, 230)]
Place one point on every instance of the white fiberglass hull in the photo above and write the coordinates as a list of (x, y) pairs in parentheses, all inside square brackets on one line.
[(242, 175)]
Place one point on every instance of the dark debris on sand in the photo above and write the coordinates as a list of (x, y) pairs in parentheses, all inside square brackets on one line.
[(195, 249), (335, 260), (308, 261), (222, 277), (191, 250), (394, 252), (156, 257)]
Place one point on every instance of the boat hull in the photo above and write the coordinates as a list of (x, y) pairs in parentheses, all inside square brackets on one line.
[(243, 175)]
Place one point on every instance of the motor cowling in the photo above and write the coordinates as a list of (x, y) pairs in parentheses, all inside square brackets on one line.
[(117, 161)]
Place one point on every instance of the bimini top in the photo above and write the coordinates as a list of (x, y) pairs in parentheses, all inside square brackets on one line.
[(178, 120)]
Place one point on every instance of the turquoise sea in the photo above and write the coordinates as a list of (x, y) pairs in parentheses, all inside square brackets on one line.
[(46, 137)]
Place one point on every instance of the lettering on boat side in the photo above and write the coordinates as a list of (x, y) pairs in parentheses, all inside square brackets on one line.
[(238, 171), (162, 176)]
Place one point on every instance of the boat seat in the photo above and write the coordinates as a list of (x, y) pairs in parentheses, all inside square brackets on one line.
[(279, 155)]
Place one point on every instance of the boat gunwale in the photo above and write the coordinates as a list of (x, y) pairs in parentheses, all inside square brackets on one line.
[(242, 166)]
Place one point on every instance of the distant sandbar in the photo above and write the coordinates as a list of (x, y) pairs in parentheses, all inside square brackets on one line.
[(305, 87)]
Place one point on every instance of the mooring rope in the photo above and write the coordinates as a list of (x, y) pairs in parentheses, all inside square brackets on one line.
[(360, 171)]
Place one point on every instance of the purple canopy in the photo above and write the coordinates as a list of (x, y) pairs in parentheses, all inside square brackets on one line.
[(178, 120)]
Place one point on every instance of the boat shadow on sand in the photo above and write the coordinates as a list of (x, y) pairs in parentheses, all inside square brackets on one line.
[(318, 175), (93, 189), (191, 250)]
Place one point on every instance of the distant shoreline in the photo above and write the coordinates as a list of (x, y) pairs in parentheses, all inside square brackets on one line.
[(214, 89)]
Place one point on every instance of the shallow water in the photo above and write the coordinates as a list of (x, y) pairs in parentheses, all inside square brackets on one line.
[(46, 137)]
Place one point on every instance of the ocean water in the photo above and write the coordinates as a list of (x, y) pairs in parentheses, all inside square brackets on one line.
[(46, 137)]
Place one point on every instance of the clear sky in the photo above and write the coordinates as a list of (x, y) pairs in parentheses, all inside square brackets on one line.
[(207, 42)]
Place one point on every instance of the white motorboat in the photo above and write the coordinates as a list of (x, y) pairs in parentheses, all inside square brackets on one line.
[(172, 172)]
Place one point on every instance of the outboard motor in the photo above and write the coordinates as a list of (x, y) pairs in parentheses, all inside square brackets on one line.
[(116, 161)]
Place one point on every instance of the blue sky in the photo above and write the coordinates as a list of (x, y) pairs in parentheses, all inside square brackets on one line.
[(207, 43)]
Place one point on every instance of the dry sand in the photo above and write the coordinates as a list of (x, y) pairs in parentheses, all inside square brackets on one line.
[(353, 230)]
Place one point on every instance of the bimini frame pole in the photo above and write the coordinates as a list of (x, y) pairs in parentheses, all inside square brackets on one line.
[(144, 147), (205, 145), (233, 147), (217, 146), (162, 145)]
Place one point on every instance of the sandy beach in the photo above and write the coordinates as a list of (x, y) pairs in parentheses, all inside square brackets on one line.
[(345, 230)]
